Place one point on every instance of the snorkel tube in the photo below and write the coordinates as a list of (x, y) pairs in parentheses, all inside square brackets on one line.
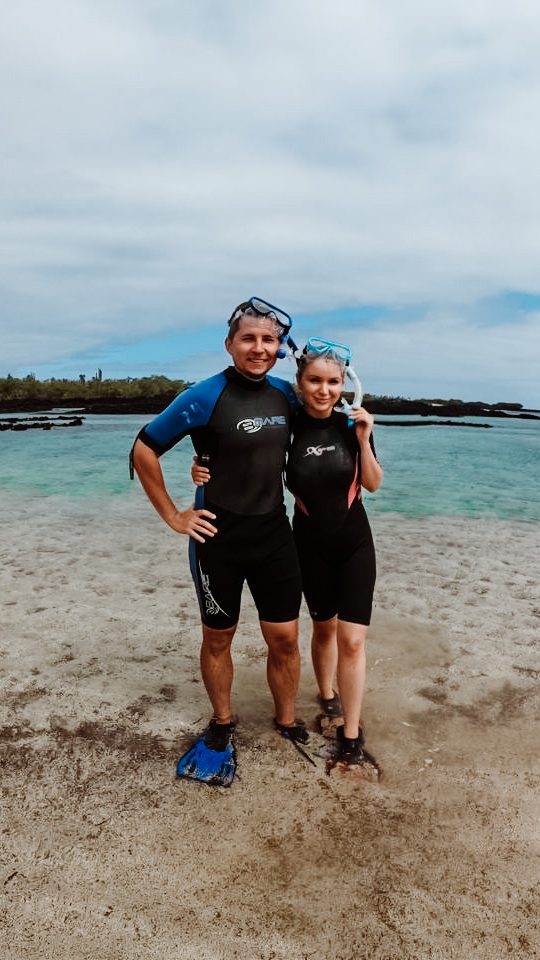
[(288, 347), (317, 346), (343, 406)]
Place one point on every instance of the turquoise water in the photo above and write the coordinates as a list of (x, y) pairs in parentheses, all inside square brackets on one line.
[(429, 470), (432, 470), (88, 461)]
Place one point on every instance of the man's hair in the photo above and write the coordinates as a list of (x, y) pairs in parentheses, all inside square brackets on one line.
[(246, 310)]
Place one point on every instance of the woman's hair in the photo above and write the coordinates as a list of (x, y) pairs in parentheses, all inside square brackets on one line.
[(308, 356), (246, 310)]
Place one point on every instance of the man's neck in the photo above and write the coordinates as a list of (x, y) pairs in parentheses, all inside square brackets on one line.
[(246, 376)]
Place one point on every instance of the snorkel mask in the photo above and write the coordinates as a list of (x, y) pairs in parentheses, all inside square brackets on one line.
[(331, 350), (256, 307)]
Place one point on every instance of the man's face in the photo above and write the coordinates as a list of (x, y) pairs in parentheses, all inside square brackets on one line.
[(254, 346)]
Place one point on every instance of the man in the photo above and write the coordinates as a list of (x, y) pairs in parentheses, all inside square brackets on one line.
[(238, 531)]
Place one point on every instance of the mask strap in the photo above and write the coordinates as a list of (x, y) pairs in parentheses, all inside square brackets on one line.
[(288, 347)]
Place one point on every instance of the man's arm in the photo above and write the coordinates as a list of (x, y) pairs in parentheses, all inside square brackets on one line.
[(192, 522)]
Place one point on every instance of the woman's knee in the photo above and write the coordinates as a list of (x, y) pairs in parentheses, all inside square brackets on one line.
[(352, 643), (324, 632)]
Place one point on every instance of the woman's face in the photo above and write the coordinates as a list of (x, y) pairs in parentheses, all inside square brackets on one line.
[(321, 383)]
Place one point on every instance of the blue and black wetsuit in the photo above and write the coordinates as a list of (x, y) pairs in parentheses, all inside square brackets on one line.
[(331, 528), (243, 426)]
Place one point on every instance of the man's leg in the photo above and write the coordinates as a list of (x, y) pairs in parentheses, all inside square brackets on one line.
[(217, 670), (283, 667), (276, 587), (219, 589)]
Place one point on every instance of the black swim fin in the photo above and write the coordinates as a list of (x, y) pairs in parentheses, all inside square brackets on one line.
[(212, 758)]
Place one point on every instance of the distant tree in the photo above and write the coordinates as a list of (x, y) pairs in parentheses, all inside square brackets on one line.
[(65, 391)]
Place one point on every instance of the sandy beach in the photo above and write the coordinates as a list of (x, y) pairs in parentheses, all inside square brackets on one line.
[(106, 856)]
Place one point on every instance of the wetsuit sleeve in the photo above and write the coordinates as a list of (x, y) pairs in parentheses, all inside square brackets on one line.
[(190, 409)]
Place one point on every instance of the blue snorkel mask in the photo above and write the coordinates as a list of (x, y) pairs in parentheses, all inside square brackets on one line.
[(331, 350), (257, 307), (318, 346)]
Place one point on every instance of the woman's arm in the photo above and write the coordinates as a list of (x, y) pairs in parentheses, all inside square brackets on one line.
[(199, 474), (191, 522), (372, 472)]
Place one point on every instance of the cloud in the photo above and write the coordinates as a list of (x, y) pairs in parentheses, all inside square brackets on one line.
[(449, 355), (163, 159), (476, 354)]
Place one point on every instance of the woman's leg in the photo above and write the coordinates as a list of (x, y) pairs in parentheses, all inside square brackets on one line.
[(318, 585), (324, 654), (351, 672)]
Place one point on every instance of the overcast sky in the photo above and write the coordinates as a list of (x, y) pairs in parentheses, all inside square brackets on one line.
[(371, 166)]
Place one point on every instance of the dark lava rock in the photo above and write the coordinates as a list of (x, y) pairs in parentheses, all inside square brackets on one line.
[(431, 423)]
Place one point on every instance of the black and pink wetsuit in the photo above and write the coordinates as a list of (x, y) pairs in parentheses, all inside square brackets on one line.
[(330, 525)]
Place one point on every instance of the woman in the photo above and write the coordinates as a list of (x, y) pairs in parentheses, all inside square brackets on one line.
[(331, 457)]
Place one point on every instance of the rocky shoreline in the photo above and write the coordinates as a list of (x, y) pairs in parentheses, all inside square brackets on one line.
[(447, 408), (19, 424), (395, 406), (80, 405), (432, 423)]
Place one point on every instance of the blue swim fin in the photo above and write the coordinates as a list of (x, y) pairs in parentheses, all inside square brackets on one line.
[(212, 758)]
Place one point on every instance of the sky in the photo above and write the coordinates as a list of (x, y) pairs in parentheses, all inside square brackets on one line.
[(372, 167)]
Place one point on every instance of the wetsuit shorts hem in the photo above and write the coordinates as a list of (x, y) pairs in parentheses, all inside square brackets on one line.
[(336, 585), (265, 559)]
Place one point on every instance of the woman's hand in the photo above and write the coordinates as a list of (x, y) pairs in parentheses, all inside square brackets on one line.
[(363, 423), (200, 475), (193, 523), (372, 472)]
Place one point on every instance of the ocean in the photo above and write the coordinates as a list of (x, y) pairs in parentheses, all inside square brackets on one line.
[(429, 470)]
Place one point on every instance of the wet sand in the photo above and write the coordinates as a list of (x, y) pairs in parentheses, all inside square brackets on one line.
[(106, 856)]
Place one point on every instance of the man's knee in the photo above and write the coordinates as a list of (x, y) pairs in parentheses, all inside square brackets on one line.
[(217, 642), (281, 638)]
